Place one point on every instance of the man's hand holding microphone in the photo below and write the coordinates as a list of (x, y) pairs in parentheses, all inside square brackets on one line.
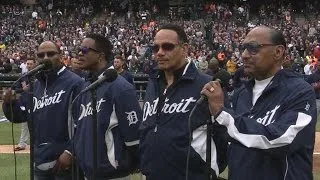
[(214, 93), (9, 96)]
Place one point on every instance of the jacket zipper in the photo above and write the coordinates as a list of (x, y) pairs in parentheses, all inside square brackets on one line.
[(45, 88), (159, 111)]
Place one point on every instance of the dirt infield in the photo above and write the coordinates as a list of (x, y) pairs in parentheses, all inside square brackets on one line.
[(9, 149), (316, 156)]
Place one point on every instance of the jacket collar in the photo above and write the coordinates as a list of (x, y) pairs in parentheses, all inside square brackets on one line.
[(188, 71), (275, 81), (50, 75)]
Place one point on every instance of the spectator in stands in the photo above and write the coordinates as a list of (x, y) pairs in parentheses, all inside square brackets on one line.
[(240, 78), (118, 64), (170, 96), (224, 35), (314, 80), (231, 65), (7, 67), (218, 73), (308, 68), (203, 65), (23, 66)]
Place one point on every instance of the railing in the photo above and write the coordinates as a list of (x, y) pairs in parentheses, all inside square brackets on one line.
[(140, 80), (6, 80)]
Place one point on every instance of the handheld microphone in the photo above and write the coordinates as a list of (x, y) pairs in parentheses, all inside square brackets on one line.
[(109, 75), (204, 97), (44, 65)]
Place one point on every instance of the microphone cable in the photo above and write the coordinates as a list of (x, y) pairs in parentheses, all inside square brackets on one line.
[(12, 126), (198, 102), (190, 136), (12, 132), (13, 143)]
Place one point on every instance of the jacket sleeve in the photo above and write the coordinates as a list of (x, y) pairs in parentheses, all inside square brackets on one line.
[(15, 112), (293, 127), (73, 112), (129, 115)]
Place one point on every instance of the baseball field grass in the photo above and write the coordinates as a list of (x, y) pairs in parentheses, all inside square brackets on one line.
[(6, 133)]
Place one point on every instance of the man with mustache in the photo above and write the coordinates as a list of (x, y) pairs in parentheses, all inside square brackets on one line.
[(272, 123), (171, 94), (52, 127)]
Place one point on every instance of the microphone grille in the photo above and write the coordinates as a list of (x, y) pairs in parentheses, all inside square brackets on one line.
[(47, 64), (111, 75)]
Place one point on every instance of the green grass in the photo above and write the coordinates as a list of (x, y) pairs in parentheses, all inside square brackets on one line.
[(7, 167), (23, 170), (6, 133)]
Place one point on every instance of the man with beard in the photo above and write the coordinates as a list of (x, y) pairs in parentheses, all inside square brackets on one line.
[(272, 123), (118, 117), (118, 64), (53, 92)]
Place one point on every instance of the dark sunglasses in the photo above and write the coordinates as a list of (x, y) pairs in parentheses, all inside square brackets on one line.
[(254, 47), (165, 46), (85, 50), (49, 54)]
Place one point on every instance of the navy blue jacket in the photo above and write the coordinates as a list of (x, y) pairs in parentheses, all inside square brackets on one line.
[(118, 116), (128, 76), (274, 139), (51, 108), (164, 141)]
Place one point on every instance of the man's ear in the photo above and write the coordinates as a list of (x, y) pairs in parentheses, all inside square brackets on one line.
[(101, 57), (185, 47), (279, 52)]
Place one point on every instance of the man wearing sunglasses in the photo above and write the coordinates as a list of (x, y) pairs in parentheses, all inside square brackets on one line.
[(118, 117), (53, 92), (171, 94), (272, 123)]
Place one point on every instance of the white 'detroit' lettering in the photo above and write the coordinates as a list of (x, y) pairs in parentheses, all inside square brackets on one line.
[(47, 101), (150, 109), (267, 119), (86, 110), (181, 107)]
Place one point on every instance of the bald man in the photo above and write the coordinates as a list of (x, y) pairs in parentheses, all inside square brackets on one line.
[(53, 92), (272, 123)]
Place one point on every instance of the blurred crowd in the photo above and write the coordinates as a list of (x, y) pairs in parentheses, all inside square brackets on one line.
[(215, 31)]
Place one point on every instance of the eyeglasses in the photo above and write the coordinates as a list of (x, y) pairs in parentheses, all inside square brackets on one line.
[(165, 46), (254, 47), (49, 54), (85, 50)]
